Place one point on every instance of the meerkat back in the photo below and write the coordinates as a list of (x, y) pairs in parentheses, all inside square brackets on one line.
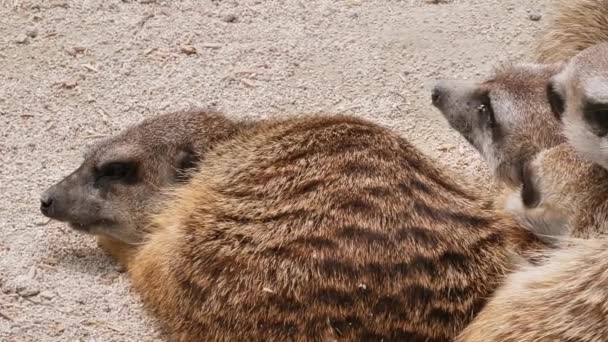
[(323, 228)]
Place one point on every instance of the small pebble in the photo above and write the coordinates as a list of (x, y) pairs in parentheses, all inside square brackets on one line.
[(230, 18), (32, 33), (188, 49), (21, 39), (70, 83), (445, 147), (75, 50), (28, 293), (535, 17), (46, 295), (50, 261), (108, 278), (42, 222)]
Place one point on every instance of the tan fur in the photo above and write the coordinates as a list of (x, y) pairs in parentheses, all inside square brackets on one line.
[(320, 228), (563, 300), (574, 26), (570, 190)]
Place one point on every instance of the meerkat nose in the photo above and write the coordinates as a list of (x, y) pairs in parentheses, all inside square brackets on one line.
[(46, 204), (436, 93)]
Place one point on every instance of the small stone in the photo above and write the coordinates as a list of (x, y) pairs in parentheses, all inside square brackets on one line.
[(446, 147), (230, 18), (50, 261), (188, 49), (70, 83), (535, 16), (32, 33), (42, 222), (26, 293), (46, 295), (21, 39), (59, 329), (108, 278), (59, 4), (75, 50)]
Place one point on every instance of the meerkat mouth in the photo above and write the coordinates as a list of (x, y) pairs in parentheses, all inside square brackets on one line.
[(90, 227)]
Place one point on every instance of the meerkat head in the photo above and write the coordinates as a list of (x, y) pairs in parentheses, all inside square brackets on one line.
[(122, 178), (562, 194), (579, 96), (506, 117)]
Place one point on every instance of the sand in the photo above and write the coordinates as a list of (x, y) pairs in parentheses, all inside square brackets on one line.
[(72, 72)]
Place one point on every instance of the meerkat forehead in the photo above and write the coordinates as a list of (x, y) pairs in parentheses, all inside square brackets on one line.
[(596, 89), (114, 149), (519, 91), (518, 79)]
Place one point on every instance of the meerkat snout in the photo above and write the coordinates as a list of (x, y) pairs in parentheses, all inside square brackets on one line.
[(459, 102), (46, 204)]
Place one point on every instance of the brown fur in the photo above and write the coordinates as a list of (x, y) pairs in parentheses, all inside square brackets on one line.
[(564, 300), (574, 26), (320, 228)]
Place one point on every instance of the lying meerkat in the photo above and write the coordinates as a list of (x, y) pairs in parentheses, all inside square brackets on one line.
[(506, 117), (579, 96), (309, 228), (574, 26), (566, 299)]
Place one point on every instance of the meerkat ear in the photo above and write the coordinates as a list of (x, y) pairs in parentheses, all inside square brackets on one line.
[(185, 161)]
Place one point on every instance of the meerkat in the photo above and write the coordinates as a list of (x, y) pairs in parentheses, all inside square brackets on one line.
[(565, 299), (579, 97), (308, 228), (574, 26), (505, 117)]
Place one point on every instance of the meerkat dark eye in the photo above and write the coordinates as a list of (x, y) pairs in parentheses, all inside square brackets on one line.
[(555, 101), (117, 171), (596, 116), (530, 196), (485, 110)]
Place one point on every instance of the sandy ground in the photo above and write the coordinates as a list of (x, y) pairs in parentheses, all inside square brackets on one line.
[(74, 71)]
